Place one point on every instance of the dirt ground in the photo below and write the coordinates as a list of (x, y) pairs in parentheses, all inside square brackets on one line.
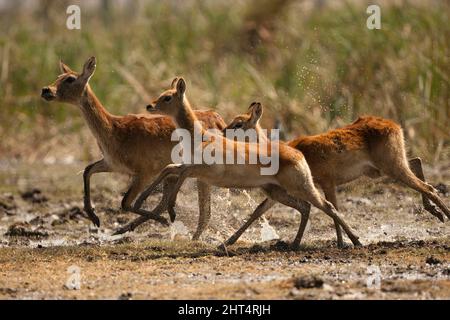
[(48, 248)]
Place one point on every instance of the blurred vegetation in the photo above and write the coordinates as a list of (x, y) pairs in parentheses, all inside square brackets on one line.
[(314, 65)]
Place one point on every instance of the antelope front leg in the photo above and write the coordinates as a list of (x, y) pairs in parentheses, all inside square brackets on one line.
[(172, 169), (183, 173), (145, 216), (168, 185), (204, 198), (204, 208), (96, 167), (163, 204), (136, 187)]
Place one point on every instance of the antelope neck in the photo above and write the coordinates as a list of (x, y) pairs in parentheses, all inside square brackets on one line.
[(95, 114)]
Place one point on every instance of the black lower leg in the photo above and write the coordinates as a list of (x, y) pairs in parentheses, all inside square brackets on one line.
[(99, 166), (415, 165), (259, 211)]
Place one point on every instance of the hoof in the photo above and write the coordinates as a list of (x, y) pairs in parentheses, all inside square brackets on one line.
[(172, 214), (162, 220), (342, 245), (96, 222), (440, 217), (93, 217), (119, 231), (221, 247), (357, 244), (436, 213)]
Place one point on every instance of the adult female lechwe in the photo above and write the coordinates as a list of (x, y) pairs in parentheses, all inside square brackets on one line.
[(290, 185), (137, 145), (370, 146)]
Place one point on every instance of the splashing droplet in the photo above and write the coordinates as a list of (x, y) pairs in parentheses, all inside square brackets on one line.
[(178, 229), (268, 232)]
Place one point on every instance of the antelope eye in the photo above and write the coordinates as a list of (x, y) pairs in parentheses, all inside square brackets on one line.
[(70, 79), (167, 98)]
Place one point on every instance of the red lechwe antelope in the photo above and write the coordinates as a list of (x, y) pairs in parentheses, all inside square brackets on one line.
[(137, 145), (291, 185), (369, 146)]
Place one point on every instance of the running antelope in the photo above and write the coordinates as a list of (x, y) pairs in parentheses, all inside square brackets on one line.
[(136, 145), (370, 146), (291, 185)]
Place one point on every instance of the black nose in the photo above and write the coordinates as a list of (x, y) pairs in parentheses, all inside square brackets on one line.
[(149, 107), (45, 92)]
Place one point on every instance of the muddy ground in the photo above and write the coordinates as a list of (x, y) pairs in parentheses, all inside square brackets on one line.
[(47, 245)]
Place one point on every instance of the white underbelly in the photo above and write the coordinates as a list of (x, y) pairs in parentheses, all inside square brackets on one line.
[(237, 177), (116, 165), (353, 171)]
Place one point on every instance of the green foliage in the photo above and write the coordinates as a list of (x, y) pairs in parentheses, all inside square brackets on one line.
[(321, 68)]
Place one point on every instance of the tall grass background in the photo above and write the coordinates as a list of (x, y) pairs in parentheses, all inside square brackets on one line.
[(313, 64)]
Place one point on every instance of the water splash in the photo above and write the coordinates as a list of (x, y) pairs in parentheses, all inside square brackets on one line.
[(268, 232), (178, 229), (250, 202)]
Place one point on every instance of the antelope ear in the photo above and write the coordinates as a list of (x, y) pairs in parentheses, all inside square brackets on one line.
[(88, 69), (174, 82), (64, 67), (252, 105), (181, 86), (256, 110)]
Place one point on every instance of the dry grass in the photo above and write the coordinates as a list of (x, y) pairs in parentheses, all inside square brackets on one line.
[(159, 270)]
